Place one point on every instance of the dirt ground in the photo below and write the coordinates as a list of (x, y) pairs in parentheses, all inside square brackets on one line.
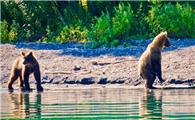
[(102, 68)]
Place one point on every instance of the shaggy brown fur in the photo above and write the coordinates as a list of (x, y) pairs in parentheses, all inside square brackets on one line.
[(150, 61), (22, 68)]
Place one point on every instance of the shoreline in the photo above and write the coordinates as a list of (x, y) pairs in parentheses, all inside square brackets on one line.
[(119, 70), (92, 87)]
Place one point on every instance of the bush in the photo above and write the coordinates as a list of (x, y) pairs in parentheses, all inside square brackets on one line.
[(107, 32), (13, 32), (122, 20), (9, 36), (101, 32), (103, 23), (67, 34), (4, 32), (140, 28), (178, 20)]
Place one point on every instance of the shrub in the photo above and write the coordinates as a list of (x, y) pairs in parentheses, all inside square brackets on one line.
[(67, 34), (9, 36), (140, 28), (13, 32), (105, 24), (178, 20), (101, 32), (4, 32), (107, 32), (122, 20)]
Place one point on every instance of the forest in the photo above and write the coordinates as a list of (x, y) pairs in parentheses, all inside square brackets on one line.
[(95, 23)]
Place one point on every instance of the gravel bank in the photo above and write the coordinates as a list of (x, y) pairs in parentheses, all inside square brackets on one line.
[(102, 66)]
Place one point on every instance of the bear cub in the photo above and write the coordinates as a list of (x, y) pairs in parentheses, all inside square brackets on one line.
[(150, 61), (22, 67)]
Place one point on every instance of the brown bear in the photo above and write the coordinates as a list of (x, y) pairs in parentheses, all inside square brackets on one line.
[(150, 61), (22, 67)]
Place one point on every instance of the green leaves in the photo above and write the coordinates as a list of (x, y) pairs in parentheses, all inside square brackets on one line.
[(4, 32), (114, 43), (177, 19), (100, 23), (109, 31), (122, 20)]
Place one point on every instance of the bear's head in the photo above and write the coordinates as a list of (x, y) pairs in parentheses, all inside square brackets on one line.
[(161, 40), (28, 58), (167, 44)]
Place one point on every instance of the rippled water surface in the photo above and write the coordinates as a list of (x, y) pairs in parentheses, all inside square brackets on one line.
[(100, 103)]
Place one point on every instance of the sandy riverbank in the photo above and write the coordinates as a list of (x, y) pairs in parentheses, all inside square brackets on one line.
[(96, 68)]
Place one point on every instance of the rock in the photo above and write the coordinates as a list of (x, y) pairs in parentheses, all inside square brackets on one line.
[(94, 63), (103, 81), (87, 80), (76, 67)]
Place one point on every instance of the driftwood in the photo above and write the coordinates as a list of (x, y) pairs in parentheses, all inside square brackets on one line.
[(58, 72), (64, 72), (88, 72), (107, 63)]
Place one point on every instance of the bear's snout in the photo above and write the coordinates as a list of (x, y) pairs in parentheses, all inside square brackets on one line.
[(167, 44), (24, 62)]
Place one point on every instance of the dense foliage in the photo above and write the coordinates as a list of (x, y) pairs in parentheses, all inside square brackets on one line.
[(178, 20), (96, 23), (108, 31)]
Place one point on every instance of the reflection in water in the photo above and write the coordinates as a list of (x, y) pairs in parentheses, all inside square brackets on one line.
[(150, 106), (100, 103), (22, 107)]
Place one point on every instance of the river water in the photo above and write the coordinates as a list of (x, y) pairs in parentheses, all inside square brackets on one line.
[(99, 103)]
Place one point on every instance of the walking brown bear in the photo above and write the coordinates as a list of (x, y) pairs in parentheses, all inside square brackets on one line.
[(150, 61), (22, 67)]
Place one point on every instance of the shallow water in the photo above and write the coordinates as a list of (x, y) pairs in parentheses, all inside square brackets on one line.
[(100, 103)]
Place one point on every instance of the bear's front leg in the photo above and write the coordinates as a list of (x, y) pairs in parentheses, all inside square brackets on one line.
[(21, 83), (157, 69), (26, 83), (37, 76)]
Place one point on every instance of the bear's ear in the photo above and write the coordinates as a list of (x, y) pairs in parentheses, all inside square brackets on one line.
[(165, 33), (23, 54), (31, 53)]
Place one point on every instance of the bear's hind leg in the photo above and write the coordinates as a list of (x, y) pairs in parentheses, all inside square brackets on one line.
[(12, 79), (149, 80)]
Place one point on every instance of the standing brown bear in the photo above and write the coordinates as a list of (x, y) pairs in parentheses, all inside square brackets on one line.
[(150, 61), (22, 67)]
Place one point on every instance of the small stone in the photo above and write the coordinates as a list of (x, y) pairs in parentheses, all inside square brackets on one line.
[(76, 67), (94, 63)]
